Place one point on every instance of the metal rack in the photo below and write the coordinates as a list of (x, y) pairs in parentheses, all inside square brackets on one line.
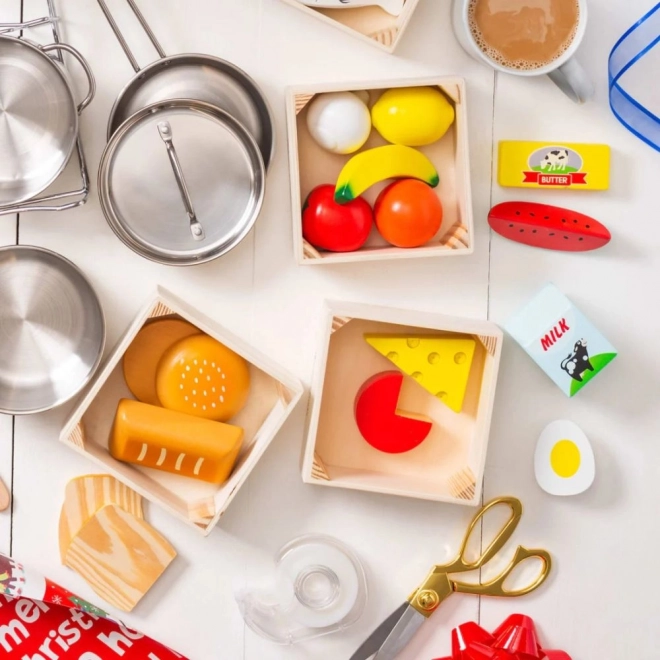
[(66, 200)]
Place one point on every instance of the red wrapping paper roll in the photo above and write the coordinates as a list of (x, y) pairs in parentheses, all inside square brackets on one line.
[(39, 620)]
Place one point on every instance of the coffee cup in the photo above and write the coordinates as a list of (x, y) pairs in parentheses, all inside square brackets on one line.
[(484, 29)]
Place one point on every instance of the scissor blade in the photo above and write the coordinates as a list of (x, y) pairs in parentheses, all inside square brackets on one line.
[(401, 634), (375, 641)]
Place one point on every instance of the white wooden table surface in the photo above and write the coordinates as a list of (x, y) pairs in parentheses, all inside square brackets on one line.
[(599, 603)]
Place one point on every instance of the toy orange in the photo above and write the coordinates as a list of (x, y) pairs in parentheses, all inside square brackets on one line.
[(408, 213), (202, 377)]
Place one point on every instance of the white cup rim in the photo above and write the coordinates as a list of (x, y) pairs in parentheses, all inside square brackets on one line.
[(541, 71)]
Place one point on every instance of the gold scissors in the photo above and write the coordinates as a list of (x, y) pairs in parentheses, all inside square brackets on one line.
[(394, 634)]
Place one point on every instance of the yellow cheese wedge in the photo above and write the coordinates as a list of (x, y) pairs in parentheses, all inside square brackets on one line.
[(174, 442), (85, 495), (441, 365), (119, 556)]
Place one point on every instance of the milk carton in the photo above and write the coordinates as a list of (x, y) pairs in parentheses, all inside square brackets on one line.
[(561, 340)]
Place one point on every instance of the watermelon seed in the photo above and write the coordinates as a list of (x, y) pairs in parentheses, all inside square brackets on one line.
[(531, 214), (563, 219), (510, 225), (522, 230), (588, 226), (575, 221), (546, 217), (533, 231), (580, 239), (552, 233), (517, 212), (566, 237)]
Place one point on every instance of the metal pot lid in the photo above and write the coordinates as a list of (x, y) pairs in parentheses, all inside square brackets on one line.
[(38, 121), (181, 182), (52, 330)]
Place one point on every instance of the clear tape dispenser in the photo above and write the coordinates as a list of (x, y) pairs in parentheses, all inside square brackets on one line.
[(318, 587)]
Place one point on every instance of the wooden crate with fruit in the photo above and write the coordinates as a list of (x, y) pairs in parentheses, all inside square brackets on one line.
[(379, 170)]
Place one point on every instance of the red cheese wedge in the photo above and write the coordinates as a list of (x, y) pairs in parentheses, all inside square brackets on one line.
[(383, 426), (549, 227)]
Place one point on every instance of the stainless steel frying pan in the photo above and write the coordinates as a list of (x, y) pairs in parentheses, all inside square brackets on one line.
[(191, 76), (52, 330), (38, 117)]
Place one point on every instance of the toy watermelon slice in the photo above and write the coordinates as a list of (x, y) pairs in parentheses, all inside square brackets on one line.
[(549, 227)]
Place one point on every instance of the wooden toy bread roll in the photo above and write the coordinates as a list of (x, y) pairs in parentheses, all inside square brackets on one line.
[(174, 442), (84, 496), (202, 377), (119, 556), (145, 351)]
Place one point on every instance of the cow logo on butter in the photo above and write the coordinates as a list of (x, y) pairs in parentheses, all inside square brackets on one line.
[(555, 166)]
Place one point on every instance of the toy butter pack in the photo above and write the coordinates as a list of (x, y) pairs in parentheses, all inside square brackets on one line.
[(561, 340), (551, 165)]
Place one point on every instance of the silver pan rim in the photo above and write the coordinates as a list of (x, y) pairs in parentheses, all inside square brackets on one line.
[(76, 119), (203, 57), (101, 348), (103, 182)]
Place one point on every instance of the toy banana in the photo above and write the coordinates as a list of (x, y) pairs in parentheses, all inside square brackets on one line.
[(394, 7), (389, 162)]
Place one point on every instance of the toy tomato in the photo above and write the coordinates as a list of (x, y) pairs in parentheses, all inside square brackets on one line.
[(335, 227), (408, 213)]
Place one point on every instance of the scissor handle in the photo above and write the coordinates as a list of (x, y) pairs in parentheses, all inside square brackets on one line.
[(461, 564), (496, 586)]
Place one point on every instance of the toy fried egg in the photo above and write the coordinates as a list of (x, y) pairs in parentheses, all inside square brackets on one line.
[(564, 460)]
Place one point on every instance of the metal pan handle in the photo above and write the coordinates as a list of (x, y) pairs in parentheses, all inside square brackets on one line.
[(5, 28), (120, 37), (83, 63), (196, 229)]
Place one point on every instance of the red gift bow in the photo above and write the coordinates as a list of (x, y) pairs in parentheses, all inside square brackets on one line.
[(515, 639)]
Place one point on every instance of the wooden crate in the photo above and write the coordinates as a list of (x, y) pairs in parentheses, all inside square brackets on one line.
[(371, 24), (449, 465), (273, 396), (310, 165)]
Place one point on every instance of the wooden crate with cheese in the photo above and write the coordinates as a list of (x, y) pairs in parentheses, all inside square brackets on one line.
[(182, 411), (402, 402)]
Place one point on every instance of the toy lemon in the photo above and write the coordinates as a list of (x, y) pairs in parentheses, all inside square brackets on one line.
[(413, 116)]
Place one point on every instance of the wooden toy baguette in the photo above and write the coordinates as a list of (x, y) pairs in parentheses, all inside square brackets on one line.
[(549, 227), (174, 442), (119, 556)]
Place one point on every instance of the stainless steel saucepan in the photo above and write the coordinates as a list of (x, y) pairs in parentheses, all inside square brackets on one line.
[(192, 76), (38, 117)]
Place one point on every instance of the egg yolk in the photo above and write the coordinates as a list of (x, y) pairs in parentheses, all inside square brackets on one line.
[(565, 459)]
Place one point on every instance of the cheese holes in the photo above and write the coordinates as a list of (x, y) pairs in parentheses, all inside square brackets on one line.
[(460, 358), (434, 358), (412, 342)]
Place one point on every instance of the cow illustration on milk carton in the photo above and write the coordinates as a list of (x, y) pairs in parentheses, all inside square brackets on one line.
[(561, 340)]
